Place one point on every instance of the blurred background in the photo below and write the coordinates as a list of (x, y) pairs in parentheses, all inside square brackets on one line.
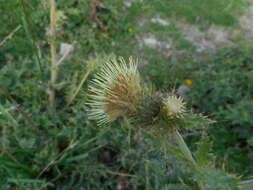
[(201, 48)]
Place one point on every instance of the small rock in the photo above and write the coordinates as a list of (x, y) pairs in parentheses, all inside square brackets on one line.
[(160, 21), (66, 48), (128, 3), (246, 22), (151, 41), (182, 91), (210, 39)]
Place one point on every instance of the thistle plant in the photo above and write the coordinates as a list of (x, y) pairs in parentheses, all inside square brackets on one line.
[(117, 90)]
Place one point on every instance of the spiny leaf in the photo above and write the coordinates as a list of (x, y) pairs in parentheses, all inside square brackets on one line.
[(216, 179), (192, 121), (204, 147)]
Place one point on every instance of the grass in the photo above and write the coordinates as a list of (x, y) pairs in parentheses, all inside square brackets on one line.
[(224, 13), (65, 150)]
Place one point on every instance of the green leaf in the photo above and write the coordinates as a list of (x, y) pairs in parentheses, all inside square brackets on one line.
[(193, 122), (79, 157), (27, 181)]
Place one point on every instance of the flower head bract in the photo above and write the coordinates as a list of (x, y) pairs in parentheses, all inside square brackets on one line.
[(173, 106), (114, 91)]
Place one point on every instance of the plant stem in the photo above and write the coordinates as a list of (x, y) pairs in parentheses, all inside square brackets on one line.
[(187, 153), (26, 24), (53, 56), (72, 97), (9, 36)]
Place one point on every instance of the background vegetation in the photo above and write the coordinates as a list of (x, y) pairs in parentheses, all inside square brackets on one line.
[(177, 46)]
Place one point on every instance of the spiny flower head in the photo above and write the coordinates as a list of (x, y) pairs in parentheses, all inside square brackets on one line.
[(114, 91), (173, 106)]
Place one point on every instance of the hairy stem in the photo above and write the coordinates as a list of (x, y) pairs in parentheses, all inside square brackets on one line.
[(53, 55)]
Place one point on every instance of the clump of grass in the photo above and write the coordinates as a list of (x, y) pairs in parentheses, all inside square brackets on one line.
[(217, 12)]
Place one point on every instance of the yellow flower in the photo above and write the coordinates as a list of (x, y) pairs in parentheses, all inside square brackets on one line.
[(188, 82), (114, 91), (130, 30), (104, 35), (173, 106)]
